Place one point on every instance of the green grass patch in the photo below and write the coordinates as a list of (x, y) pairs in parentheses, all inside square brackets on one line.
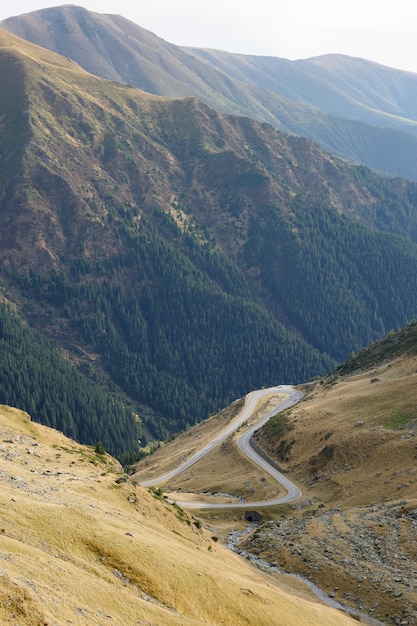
[(398, 419), (277, 427)]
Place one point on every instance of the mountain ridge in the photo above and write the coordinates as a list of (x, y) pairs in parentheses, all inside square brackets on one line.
[(173, 249), (289, 95), (181, 257)]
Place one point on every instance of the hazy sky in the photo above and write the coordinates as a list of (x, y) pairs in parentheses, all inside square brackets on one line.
[(385, 32)]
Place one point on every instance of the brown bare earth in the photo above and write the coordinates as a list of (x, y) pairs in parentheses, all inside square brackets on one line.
[(351, 446), (82, 544)]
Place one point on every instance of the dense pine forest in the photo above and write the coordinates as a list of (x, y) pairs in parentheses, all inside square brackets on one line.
[(322, 266), (37, 379), (177, 258), (181, 333)]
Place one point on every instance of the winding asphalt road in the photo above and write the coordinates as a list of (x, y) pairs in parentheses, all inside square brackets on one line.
[(292, 396)]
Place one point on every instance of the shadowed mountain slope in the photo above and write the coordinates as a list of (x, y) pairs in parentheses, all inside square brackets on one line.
[(359, 110), (184, 255)]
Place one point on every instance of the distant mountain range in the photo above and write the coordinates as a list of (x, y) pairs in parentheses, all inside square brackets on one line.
[(358, 110), (178, 256)]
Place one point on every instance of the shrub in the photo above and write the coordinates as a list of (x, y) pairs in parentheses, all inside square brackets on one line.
[(99, 449)]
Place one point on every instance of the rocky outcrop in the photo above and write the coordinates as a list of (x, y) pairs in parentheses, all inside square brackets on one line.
[(364, 557)]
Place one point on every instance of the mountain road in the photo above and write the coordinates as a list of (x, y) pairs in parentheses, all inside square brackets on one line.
[(292, 396)]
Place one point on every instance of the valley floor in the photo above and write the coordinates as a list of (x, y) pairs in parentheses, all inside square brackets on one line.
[(354, 531)]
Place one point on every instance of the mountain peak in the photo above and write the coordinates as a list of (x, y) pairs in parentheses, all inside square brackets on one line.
[(335, 100)]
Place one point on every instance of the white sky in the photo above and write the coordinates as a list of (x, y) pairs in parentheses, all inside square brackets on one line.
[(381, 31)]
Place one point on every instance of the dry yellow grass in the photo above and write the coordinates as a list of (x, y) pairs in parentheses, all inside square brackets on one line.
[(353, 452), (172, 454), (77, 547), (224, 470), (369, 419)]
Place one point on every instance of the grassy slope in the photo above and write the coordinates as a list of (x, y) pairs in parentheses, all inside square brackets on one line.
[(351, 447), (366, 423), (76, 546), (353, 452)]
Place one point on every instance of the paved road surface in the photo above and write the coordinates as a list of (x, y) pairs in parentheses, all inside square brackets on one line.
[(252, 399)]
